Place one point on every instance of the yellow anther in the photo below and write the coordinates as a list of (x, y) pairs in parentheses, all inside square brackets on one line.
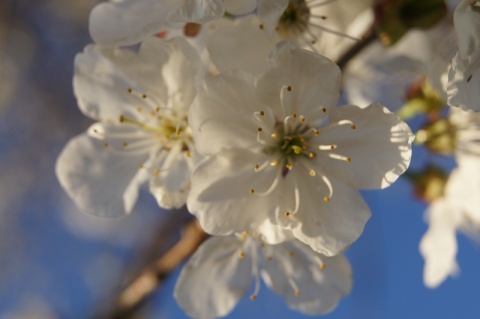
[(274, 135), (156, 172), (289, 88), (353, 127), (140, 166), (262, 113), (294, 116), (288, 165), (287, 214), (291, 254), (297, 149), (121, 119), (312, 172), (322, 266), (348, 159), (297, 293), (241, 255), (324, 110), (259, 129), (302, 119), (274, 163), (326, 198), (253, 297), (129, 90), (257, 166), (332, 147), (125, 144), (311, 155), (105, 144), (316, 133), (252, 191), (177, 132), (144, 96), (187, 154), (261, 26)]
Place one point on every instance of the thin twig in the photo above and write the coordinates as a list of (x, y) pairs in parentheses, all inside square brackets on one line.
[(133, 297), (369, 38)]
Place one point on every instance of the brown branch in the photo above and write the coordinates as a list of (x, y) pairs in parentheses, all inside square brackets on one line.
[(137, 292), (366, 40)]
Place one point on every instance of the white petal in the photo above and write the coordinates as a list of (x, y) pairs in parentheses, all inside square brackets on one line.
[(125, 22), (223, 117), (269, 12), (439, 244), (379, 147), (198, 11), (321, 281), (240, 7), (314, 81), (329, 227), (103, 77), (239, 44), (214, 279), (467, 24), (220, 196), (463, 84), (98, 180)]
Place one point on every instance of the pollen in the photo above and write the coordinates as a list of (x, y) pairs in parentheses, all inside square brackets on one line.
[(144, 96), (353, 127), (121, 119), (322, 266), (252, 191), (348, 160), (259, 129), (291, 254), (253, 297), (287, 214), (297, 293), (324, 110), (326, 199), (274, 163), (257, 166), (294, 116), (129, 90), (274, 135), (288, 165), (311, 155), (312, 172), (155, 172), (289, 88), (241, 255), (187, 154), (125, 144), (261, 27), (262, 113)]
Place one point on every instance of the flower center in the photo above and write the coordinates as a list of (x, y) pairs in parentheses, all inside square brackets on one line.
[(294, 19)]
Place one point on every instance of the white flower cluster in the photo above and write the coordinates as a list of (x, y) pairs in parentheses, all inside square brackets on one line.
[(230, 108)]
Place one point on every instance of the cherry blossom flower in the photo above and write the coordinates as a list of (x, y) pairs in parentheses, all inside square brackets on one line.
[(464, 73), (221, 272), (140, 101), (326, 27), (280, 154), (459, 209)]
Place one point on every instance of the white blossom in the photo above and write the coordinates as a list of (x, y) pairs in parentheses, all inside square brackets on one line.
[(459, 209), (280, 154), (221, 272), (140, 101)]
